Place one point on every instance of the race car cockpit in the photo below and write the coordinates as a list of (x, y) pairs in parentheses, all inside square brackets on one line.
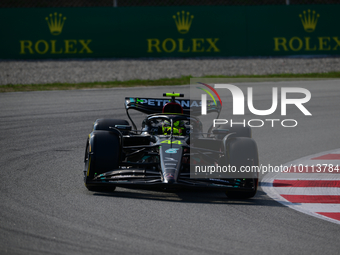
[(172, 121)]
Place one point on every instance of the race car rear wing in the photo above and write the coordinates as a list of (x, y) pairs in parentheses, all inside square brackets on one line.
[(155, 105)]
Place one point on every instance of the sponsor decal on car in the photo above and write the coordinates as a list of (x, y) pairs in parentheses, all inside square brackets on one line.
[(171, 142), (172, 150)]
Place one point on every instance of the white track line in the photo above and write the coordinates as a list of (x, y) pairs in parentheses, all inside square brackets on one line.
[(308, 191)]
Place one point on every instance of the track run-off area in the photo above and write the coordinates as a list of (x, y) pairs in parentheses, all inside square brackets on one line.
[(46, 209)]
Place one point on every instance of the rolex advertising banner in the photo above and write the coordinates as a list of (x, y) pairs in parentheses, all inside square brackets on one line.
[(199, 31), (293, 30)]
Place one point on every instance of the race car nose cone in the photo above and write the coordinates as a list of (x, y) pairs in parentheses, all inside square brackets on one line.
[(169, 178), (170, 181)]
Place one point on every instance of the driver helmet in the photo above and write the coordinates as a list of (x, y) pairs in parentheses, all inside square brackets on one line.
[(178, 129)]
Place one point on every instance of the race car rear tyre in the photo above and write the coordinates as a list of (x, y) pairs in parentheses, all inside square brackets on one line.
[(242, 151), (103, 154), (240, 131), (108, 124)]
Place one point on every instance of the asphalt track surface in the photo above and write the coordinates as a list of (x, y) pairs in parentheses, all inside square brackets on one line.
[(45, 208)]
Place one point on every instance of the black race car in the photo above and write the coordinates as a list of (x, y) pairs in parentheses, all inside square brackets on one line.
[(165, 152)]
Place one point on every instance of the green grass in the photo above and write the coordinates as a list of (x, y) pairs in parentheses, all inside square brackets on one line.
[(160, 82)]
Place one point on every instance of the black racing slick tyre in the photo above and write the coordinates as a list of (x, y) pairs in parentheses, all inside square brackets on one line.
[(102, 154), (242, 151), (108, 124)]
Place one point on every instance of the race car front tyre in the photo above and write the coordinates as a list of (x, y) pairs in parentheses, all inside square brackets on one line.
[(242, 152), (102, 154)]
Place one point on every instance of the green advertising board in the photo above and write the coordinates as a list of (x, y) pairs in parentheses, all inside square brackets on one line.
[(293, 30), (195, 31)]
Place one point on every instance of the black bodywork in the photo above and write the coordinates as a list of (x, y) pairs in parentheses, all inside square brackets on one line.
[(147, 159)]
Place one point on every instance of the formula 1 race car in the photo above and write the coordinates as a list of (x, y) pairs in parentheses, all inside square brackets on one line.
[(164, 152)]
